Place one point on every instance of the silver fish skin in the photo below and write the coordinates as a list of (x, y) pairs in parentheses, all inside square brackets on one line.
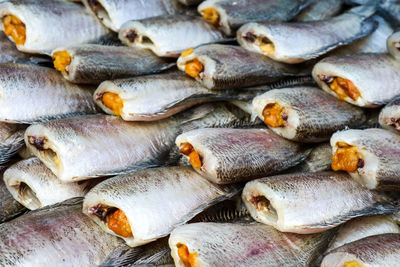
[(114, 13), (99, 145), (11, 140), (362, 227), (9, 207), (8, 51), (93, 64), (155, 34), (155, 97), (319, 160), (59, 235), (320, 10), (309, 114), (393, 44), (141, 197), (312, 39), (236, 155), (374, 251), (308, 203), (378, 151), (389, 117), (41, 94), (33, 185), (233, 14), (390, 9), (221, 71), (358, 69), (43, 20), (250, 244)]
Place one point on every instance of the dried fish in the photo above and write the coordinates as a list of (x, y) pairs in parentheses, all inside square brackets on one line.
[(227, 244), (155, 97), (190, 2), (8, 51), (33, 185), (389, 118), (40, 94), (320, 10), (306, 114), (230, 15), (348, 78), (58, 235), (133, 206), (377, 250), (24, 152), (313, 39), (40, 26), (393, 44), (216, 66), (227, 156), (11, 140), (155, 34), (9, 207), (370, 156), (307, 203), (92, 64), (319, 160)]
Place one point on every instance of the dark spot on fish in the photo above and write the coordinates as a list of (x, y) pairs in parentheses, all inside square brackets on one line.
[(360, 163), (37, 142), (101, 211), (254, 252), (285, 117), (94, 5), (100, 96), (326, 79), (260, 202), (131, 36), (250, 37)]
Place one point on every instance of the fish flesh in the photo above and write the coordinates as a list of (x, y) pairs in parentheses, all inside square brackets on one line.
[(308, 203), (319, 160), (11, 140), (9, 207), (156, 33), (393, 44), (133, 206), (312, 39), (226, 156), (99, 145), (362, 227), (41, 94), (24, 152), (389, 118), (250, 244), (58, 235), (40, 26), (320, 10), (92, 64), (155, 97), (348, 78), (370, 156), (306, 114), (114, 13), (33, 185), (215, 66), (377, 250), (229, 15)]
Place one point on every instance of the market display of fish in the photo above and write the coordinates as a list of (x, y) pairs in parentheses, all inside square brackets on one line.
[(346, 77), (153, 34), (226, 156), (320, 10), (39, 26), (92, 64), (307, 203), (389, 118), (370, 156), (9, 207), (251, 244), (306, 114)]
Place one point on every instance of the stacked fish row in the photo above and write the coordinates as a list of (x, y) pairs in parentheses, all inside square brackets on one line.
[(237, 155)]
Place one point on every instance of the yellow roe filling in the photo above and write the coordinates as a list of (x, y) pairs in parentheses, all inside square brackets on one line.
[(211, 15), (344, 88), (188, 259), (113, 102), (193, 68), (118, 223), (194, 157), (15, 28), (273, 114), (61, 60), (346, 158)]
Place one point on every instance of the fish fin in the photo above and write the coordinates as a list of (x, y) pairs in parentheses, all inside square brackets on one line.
[(11, 145), (145, 165)]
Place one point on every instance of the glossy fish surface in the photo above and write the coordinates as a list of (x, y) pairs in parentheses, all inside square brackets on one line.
[(389, 118), (320, 10)]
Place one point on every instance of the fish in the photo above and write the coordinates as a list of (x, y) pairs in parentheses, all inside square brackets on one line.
[(306, 114), (40, 26), (390, 10), (11, 140), (393, 44), (347, 78), (370, 156), (9, 207), (56, 235), (319, 160), (313, 39), (226, 156), (8, 51), (159, 96), (156, 33), (389, 117), (215, 66), (362, 227), (377, 250), (114, 13), (133, 206), (307, 203), (41, 94), (228, 15), (24, 152), (33, 185), (190, 2), (93, 64), (243, 244), (95, 146), (320, 10)]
